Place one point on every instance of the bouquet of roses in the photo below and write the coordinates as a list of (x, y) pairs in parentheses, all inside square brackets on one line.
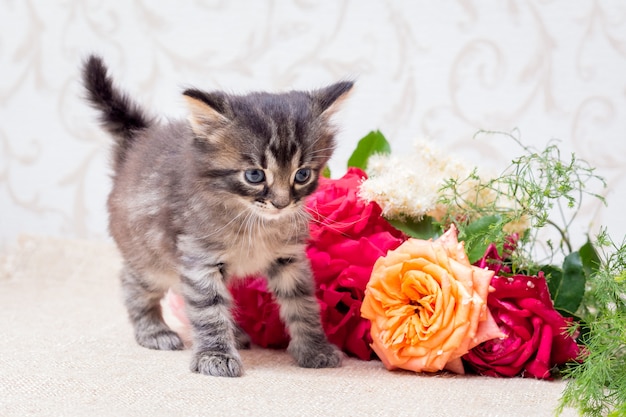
[(567, 320), (424, 264)]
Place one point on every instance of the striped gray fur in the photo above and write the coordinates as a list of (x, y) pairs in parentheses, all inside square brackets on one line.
[(197, 203)]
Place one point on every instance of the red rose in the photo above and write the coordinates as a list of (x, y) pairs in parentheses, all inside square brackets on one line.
[(347, 237), (536, 333), (257, 313), (336, 209)]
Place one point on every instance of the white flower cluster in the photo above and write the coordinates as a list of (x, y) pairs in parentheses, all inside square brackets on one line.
[(408, 185)]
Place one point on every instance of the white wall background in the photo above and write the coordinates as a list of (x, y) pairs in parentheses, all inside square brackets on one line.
[(443, 70)]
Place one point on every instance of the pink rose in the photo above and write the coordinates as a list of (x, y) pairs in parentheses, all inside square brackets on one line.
[(536, 333)]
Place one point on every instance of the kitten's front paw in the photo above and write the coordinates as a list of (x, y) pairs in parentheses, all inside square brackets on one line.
[(159, 339), (316, 356), (217, 364)]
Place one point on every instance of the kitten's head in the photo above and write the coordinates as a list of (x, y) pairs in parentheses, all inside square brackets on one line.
[(265, 150)]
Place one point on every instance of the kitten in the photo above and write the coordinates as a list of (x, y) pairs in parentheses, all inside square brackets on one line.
[(195, 203)]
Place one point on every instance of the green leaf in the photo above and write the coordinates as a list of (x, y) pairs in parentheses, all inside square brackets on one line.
[(477, 236), (554, 277), (326, 172), (589, 258), (423, 229), (373, 143), (571, 288)]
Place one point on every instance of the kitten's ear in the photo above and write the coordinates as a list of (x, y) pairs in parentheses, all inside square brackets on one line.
[(328, 99), (206, 110)]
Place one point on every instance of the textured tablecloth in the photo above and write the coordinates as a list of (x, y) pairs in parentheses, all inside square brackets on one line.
[(66, 349)]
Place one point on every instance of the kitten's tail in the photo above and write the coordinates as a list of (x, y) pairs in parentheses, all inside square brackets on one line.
[(119, 115)]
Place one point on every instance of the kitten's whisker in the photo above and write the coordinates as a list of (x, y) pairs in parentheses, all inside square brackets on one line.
[(293, 226), (329, 148), (317, 140), (329, 223), (248, 231), (252, 230), (301, 221), (313, 156), (244, 222), (318, 218), (221, 228)]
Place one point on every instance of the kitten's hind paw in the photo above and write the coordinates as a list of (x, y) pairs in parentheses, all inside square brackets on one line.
[(217, 364), (161, 339), (317, 356)]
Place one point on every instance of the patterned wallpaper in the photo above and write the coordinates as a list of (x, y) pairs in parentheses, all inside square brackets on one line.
[(424, 69)]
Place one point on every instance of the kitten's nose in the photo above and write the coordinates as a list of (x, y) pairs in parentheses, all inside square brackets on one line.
[(280, 203), (280, 196)]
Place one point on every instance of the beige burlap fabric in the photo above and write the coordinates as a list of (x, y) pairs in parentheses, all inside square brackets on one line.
[(66, 349)]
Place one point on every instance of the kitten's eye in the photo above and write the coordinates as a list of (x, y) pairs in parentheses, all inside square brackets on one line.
[(254, 176), (302, 175)]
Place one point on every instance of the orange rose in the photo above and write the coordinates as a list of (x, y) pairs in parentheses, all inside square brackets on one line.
[(427, 305)]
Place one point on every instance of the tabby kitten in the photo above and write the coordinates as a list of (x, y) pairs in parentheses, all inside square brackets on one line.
[(195, 203)]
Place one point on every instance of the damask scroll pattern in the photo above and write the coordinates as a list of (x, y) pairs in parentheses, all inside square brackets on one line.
[(423, 69)]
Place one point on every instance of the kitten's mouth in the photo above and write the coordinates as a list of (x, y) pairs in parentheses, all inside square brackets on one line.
[(270, 212)]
